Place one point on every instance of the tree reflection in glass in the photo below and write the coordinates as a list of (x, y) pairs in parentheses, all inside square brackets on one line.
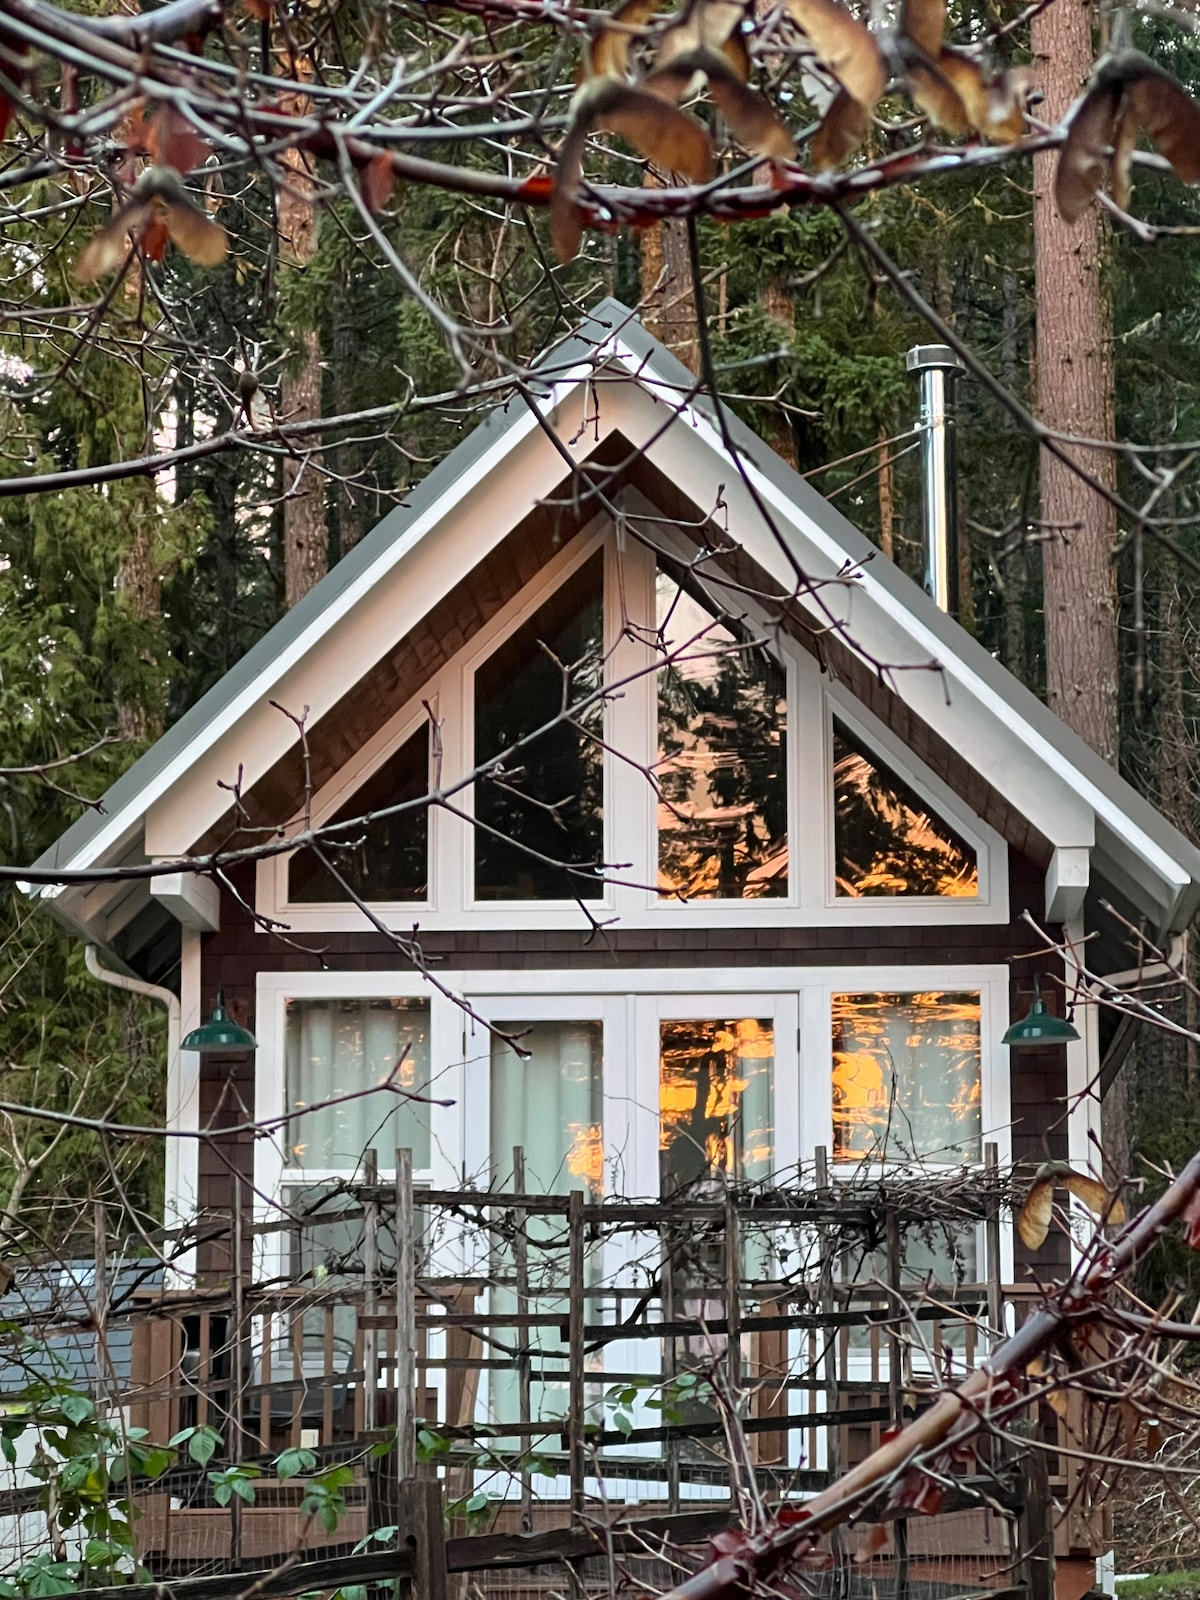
[(887, 840), (551, 797), (722, 758), (715, 1101), (906, 1077)]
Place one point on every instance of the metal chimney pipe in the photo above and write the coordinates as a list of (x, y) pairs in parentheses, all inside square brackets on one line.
[(936, 367)]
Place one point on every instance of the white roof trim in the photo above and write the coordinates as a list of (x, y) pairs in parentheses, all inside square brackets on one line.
[(660, 380)]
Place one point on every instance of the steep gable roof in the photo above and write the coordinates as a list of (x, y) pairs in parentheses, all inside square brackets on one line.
[(612, 394)]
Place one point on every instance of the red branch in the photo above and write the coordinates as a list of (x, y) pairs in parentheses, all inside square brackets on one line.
[(604, 206), (956, 1416)]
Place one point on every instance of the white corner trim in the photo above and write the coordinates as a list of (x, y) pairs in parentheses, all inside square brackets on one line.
[(1067, 879), (193, 901), (182, 1174)]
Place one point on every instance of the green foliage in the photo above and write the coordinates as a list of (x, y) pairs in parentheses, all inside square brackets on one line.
[(1161, 1586), (202, 1441), (228, 1482)]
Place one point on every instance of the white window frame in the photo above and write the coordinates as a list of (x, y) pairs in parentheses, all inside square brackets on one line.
[(271, 1174), (630, 1002), (630, 811), (780, 1004), (878, 739), (576, 1004)]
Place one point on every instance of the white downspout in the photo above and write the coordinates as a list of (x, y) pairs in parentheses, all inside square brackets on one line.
[(152, 991)]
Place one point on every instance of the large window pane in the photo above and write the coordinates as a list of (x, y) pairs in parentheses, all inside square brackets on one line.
[(388, 859), (550, 797), (341, 1047), (550, 1104), (887, 840), (715, 1094), (722, 759), (906, 1077)]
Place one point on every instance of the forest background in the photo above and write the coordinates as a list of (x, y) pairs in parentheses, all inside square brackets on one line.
[(121, 605)]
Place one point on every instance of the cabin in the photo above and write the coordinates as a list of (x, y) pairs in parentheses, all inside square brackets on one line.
[(615, 827)]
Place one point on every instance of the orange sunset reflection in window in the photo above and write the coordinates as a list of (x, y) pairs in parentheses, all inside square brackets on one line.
[(585, 1158), (906, 1077), (715, 1093), (887, 839)]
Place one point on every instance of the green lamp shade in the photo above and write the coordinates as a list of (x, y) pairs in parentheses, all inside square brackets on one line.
[(220, 1034), (1040, 1027)]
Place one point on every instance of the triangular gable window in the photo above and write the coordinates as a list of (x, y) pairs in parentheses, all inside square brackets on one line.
[(388, 858), (887, 839), (544, 812)]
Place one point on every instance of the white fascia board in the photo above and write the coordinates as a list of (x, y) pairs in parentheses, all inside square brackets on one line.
[(386, 602), (1054, 799)]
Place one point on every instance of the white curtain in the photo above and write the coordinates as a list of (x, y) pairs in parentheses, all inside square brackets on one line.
[(341, 1047), (550, 1104)]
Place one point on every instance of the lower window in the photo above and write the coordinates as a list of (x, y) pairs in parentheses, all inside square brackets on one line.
[(907, 1079)]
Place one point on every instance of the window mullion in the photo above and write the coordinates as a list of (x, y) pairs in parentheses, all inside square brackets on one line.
[(630, 811)]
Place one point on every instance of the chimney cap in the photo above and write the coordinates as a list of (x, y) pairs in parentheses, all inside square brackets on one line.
[(924, 356)]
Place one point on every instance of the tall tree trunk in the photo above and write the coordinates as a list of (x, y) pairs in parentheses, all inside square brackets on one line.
[(139, 588), (887, 503), (668, 298), (781, 308), (1015, 652), (1074, 396), (306, 531)]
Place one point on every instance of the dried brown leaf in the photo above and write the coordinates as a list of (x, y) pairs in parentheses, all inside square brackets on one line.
[(924, 23), (737, 53), (844, 45), (967, 78), (1085, 161), (156, 235), (935, 95), (171, 141), (200, 238), (1167, 112), (1120, 181), (671, 138), (377, 181), (1033, 1224), (843, 128), (751, 118), (108, 249), (1008, 98), (607, 55), (1096, 1196)]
